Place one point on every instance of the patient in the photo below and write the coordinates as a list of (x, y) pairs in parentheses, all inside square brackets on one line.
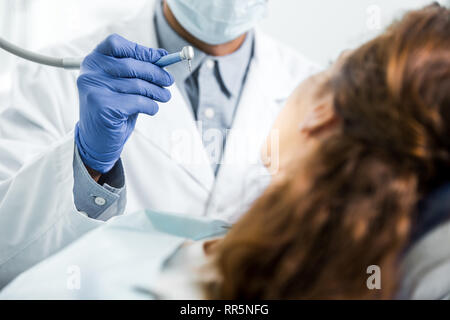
[(361, 145)]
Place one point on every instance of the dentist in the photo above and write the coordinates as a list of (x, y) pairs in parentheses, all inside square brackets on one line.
[(195, 154)]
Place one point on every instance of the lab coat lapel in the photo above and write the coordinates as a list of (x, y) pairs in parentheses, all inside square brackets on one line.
[(173, 130), (241, 168)]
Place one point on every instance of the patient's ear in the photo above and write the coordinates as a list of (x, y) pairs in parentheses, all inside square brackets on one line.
[(321, 117), (210, 246)]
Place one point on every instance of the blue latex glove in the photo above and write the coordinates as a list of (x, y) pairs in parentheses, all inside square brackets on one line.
[(118, 80)]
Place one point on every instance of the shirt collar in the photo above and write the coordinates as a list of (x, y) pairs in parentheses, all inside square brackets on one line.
[(232, 67)]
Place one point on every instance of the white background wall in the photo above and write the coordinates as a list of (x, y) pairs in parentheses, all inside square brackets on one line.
[(320, 29)]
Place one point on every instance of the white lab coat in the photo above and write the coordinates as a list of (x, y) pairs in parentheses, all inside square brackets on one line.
[(42, 113), (37, 213), (130, 257), (121, 259)]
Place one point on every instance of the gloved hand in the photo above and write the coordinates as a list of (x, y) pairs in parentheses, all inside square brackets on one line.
[(118, 80)]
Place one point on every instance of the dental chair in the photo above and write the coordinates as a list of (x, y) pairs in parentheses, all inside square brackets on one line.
[(425, 267), (432, 212)]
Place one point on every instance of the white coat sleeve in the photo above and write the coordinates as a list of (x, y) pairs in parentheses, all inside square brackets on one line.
[(41, 109), (37, 212)]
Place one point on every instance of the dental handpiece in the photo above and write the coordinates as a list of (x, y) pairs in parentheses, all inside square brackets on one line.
[(187, 53)]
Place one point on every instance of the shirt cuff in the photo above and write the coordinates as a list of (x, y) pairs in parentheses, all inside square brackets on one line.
[(94, 198)]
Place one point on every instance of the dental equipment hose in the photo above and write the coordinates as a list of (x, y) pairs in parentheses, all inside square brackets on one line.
[(187, 53), (66, 63)]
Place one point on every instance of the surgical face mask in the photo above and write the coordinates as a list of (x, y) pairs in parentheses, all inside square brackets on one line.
[(218, 21)]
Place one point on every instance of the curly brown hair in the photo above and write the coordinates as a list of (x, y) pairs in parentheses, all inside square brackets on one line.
[(392, 147)]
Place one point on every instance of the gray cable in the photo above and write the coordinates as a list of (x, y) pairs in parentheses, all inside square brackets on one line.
[(66, 63)]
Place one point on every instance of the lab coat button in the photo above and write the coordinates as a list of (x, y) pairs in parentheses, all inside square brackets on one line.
[(100, 201), (210, 64), (209, 113)]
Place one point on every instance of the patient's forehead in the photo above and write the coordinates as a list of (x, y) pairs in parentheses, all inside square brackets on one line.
[(313, 88), (318, 86)]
